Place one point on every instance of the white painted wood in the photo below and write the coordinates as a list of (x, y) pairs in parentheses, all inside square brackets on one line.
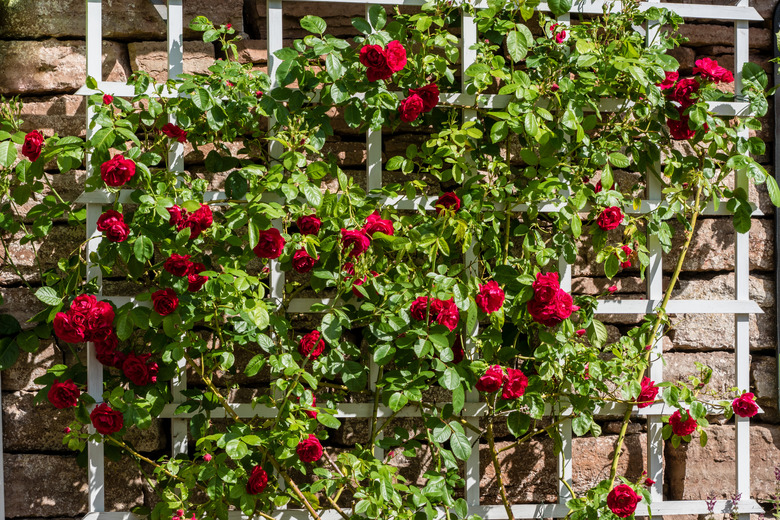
[(175, 13)]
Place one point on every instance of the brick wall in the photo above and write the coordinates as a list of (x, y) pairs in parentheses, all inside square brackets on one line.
[(42, 60)]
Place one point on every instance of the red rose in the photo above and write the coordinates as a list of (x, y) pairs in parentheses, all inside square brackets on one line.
[(355, 241), (680, 130), (69, 327), (647, 394), (106, 353), (610, 218), (490, 297), (515, 384), (457, 351), (194, 278), (560, 36), (164, 301), (628, 251), (492, 380), (198, 221), (419, 309), (99, 321), (553, 312), (670, 80), (174, 132), (118, 231), (411, 108), (546, 287), (348, 268), (395, 54), (108, 219), (177, 215), (64, 395), (683, 92), (447, 313), (682, 428), (554, 87), (745, 405), (309, 224), (429, 94), (257, 482), (302, 262), (117, 171), (309, 450), (33, 143), (311, 345), (178, 265), (108, 99), (375, 222), (448, 200), (708, 68), (270, 244), (82, 304), (622, 500), (139, 369), (106, 420), (373, 57)]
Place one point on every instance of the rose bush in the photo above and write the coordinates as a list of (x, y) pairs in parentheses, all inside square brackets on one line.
[(460, 292)]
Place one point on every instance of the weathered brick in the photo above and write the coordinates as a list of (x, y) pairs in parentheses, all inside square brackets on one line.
[(152, 57)]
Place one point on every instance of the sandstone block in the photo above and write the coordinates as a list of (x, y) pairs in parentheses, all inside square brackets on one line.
[(54, 485), (63, 115), (29, 367), (50, 66), (337, 16), (680, 365), (152, 57), (702, 35), (716, 331), (763, 375), (20, 303), (253, 51), (694, 472), (59, 243), (69, 186), (121, 20), (528, 472), (592, 458)]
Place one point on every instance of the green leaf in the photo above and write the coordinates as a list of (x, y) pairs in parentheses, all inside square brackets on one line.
[(611, 266), (48, 296), (559, 7), (236, 185), (7, 153), (9, 352), (103, 139), (618, 160), (354, 376), (581, 424), (606, 177), (201, 99), (698, 410), (450, 379), (459, 443), (774, 192), (124, 326), (754, 73), (200, 23), (516, 45), (397, 401), (518, 423), (143, 249), (9, 326), (377, 16), (210, 35), (458, 399), (313, 195), (236, 449), (254, 365), (313, 24), (335, 68), (361, 25), (498, 131), (531, 126)]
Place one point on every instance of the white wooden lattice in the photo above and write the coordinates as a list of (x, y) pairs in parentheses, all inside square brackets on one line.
[(740, 306)]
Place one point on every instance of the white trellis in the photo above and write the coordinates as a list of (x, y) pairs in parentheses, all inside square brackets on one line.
[(740, 306)]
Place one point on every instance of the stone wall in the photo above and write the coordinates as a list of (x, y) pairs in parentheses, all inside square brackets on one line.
[(42, 51)]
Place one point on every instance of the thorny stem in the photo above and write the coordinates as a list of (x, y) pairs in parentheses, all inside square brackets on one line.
[(497, 468), (657, 327), (336, 507)]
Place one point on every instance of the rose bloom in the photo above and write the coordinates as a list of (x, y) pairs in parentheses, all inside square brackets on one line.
[(610, 218), (647, 394), (490, 297), (117, 232), (302, 262), (174, 132), (745, 405), (515, 384), (33, 144), (553, 312), (492, 380), (195, 279), (419, 309), (177, 215), (682, 428), (106, 420), (457, 351), (164, 301), (198, 221), (178, 265), (560, 36), (310, 449), (411, 108), (108, 219), (108, 99), (270, 244), (670, 80), (683, 92), (356, 241), (708, 68), (69, 328), (375, 222), (139, 369), (448, 200), (99, 321), (106, 353), (680, 130), (311, 345), (117, 171), (309, 224), (447, 313), (622, 500), (82, 304), (375, 60), (258, 480), (628, 251), (429, 95), (64, 395), (545, 287), (395, 54)]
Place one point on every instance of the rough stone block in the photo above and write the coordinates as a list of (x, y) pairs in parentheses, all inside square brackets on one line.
[(337, 16), (69, 186), (592, 458), (527, 470), (29, 367), (702, 35), (680, 365), (48, 66), (59, 243), (763, 375), (152, 57), (693, 472), (253, 51), (63, 115)]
